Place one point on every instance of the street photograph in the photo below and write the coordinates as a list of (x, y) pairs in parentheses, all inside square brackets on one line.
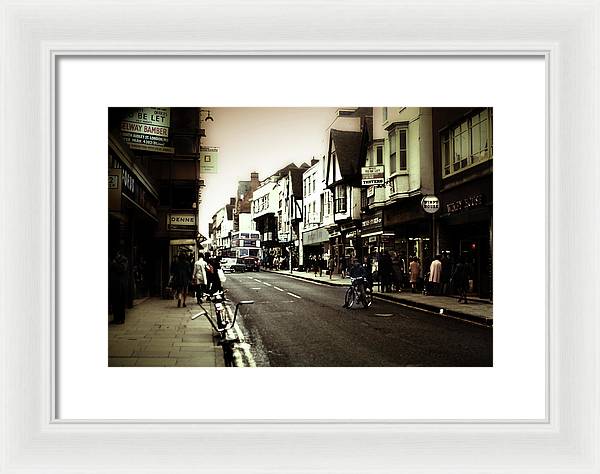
[(300, 237)]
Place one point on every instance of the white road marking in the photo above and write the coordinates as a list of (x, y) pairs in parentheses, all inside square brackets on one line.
[(308, 281), (292, 294), (277, 288), (255, 288), (265, 283)]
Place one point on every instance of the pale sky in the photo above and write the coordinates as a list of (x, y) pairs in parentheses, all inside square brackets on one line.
[(258, 139)]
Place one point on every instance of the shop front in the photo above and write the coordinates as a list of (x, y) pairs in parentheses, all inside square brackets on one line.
[(407, 232), (315, 243), (465, 230), (132, 222)]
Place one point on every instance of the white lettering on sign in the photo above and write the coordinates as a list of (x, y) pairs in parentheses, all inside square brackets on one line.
[(372, 175), (464, 204), (113, 181), (430, 204)]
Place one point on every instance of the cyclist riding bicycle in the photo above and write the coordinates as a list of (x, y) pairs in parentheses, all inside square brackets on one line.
[(358, 277)]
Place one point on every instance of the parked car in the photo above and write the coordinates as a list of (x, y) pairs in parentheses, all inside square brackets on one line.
[(229, 264), (252, 263)]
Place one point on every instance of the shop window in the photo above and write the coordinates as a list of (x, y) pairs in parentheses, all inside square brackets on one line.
[(467, 143)]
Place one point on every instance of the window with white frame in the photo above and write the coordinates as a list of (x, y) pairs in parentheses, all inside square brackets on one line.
[(340, 203), (392, 138), (467, 143), (398, 139)]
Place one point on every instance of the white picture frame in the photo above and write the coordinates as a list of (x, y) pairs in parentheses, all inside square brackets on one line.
[(34, 35)]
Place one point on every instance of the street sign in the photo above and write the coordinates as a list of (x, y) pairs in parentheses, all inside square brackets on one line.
[(372, 175), (209, 159), (430, 204)]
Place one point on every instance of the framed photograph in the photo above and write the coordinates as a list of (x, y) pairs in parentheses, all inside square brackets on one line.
[(107, 367)]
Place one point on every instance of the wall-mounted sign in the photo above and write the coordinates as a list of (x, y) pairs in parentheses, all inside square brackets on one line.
[(430, 204), (147, 128), (181, 221), (373, 223), (209, 157), (465, 204), (113, 181), (372, 175), (114, 189)]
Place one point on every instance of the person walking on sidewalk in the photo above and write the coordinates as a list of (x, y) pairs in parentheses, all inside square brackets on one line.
[(319, 265), (435, 275), (199, 277), (182, 274), (446, 273), (118, 285), (460, 279), (343, 265), (386, 271), (415, 272), (331, 264), (213, 280)]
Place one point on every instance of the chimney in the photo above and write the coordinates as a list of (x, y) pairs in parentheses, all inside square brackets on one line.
[(254, 176), (232, 201)]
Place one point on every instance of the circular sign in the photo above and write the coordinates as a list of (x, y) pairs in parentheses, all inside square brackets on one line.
[(430, 204)]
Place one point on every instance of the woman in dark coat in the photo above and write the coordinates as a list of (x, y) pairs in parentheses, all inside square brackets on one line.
[(181, 270), (460, 279)]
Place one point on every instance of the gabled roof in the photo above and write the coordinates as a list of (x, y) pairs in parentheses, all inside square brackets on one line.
[(229, 210), (348, 149), (296, 176)]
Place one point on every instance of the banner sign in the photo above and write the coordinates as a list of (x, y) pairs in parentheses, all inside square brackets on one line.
[(208, 159), (147, 128), (373, 175)]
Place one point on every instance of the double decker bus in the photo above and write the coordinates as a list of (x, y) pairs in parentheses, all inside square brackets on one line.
[(245, 244)]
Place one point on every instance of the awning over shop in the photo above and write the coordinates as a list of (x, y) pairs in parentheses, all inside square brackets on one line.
[(315, 236)]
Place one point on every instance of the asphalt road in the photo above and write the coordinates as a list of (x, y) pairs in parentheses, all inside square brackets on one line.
[(303, 324)]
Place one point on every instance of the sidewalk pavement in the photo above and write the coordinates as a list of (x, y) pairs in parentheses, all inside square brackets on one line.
[(157, 333), (476, 310)]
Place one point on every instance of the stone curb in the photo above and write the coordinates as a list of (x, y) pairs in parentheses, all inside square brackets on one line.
[(416, 304)]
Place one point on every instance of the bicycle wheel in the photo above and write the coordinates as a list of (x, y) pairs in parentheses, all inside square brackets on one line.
[(349, 299), (367, 299)]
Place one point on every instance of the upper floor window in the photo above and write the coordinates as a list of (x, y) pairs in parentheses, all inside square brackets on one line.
[(379, 155), (340, 202), (398, 150), (385, 114), (467, 143)]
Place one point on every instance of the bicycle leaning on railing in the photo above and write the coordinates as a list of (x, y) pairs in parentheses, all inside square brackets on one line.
[(222, 323), (357, 292)]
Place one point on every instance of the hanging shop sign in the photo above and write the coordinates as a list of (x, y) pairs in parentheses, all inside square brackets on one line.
[(430, 204), (373, 223), (181, 221), (372, 175), (209, 157), (147, 128), (465, 204)]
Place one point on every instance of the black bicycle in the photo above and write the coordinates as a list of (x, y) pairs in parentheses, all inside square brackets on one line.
[(222, 323), (357, 293)]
